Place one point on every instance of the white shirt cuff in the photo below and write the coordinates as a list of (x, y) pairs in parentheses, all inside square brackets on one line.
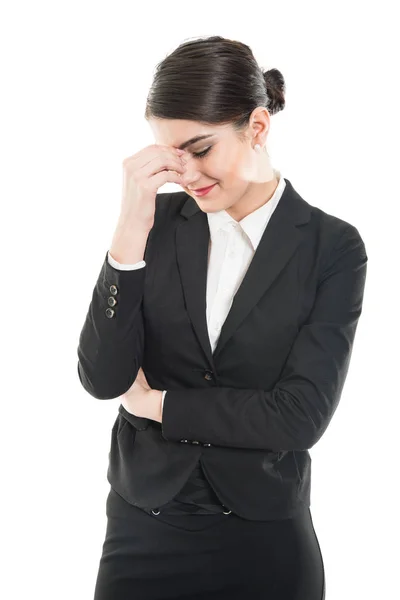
[(162, 400), (123, 267)]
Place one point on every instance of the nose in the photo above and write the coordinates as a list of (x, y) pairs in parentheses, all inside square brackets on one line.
[(191, 174)]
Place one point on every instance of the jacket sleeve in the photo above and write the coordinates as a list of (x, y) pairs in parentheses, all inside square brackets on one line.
[(297, 411), (111, 342)]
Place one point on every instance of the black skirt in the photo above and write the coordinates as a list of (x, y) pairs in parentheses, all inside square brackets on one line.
[(210, 557)]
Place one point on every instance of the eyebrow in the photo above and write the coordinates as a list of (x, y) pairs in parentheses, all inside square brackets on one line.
[(193, 140)]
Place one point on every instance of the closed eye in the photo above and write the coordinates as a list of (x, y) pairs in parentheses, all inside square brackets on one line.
[(201, 154)]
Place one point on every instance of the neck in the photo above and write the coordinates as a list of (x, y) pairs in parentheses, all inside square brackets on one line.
[(257, 196)]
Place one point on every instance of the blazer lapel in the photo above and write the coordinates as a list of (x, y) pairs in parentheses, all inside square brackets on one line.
[(278, 243)]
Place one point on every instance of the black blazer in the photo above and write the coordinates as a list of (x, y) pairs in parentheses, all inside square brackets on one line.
[(251, 410)]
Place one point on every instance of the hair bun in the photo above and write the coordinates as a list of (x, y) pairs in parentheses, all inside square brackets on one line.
[(276, 89)]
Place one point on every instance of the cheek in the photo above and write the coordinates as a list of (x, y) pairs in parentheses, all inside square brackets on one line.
[(232, 166), (223, 168), (230, 174)]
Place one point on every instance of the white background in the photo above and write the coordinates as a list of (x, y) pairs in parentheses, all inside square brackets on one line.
[(74, 79)]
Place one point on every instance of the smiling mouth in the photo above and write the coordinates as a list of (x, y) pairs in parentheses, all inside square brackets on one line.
[(203, 188), (203, 191)]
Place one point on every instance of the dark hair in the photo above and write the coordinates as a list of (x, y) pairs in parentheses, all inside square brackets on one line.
[(213, 80)]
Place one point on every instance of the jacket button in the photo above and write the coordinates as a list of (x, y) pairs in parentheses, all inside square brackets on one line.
[(194, 442), (184, 441), (208, 375), (110, 312), (112, 301), (207, 445), (113, 289)]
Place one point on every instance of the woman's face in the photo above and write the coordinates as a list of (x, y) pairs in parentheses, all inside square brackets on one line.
[(222, 159)]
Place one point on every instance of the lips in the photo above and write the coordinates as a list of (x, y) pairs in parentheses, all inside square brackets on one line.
[(203, 189)]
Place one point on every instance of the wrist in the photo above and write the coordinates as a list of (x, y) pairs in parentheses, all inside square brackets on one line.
[(155, 404)]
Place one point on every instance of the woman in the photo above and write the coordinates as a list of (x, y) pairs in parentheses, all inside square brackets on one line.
[(225, 320)]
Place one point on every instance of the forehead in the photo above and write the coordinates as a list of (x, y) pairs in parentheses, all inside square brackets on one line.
[(177, 132)]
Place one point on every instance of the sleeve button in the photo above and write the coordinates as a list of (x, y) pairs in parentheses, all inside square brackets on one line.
[(110, 312)]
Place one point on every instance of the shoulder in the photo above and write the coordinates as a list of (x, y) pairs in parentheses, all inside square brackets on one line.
[(340, 243), (329, 236), (332, 231)]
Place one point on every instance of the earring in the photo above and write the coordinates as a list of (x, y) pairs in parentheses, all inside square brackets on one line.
[(257, 148)]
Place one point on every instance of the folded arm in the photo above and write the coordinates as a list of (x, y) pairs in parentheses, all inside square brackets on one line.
[(297, 411)]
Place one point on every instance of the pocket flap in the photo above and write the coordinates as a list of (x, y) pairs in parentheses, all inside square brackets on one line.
[(140, 423)]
